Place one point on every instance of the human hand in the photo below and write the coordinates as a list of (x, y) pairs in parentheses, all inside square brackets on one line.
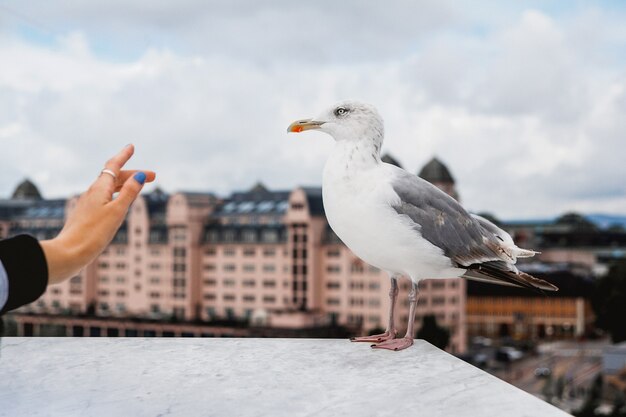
[(96, 218)]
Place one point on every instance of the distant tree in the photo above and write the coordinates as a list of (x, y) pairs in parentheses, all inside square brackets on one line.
[(619, 406), (91, 309), (592, 401), (548, 390), (559, 387), (609, 301), (433, 333)]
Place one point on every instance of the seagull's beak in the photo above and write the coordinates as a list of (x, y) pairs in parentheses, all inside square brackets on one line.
[(302, 125)]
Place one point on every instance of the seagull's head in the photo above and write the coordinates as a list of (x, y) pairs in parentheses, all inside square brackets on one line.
[(346, 120)]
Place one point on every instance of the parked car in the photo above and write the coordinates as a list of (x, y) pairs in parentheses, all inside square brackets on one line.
[(508, 354), (543, 372)]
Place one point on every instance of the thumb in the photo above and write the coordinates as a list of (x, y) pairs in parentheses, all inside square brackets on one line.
[(130, 190)]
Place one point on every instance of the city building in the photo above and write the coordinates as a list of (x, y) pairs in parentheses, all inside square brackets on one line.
[(503, 311), (265, 262)]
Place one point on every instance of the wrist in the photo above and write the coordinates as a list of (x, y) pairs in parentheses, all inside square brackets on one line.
[(63, 259)]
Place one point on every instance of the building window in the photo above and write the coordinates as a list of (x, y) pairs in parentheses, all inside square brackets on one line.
[(249, 298), (229, 282), (333, 253), (249, 268), (210, 282), (249, 252), (269, 284), (437, 285), (438, 301), (333, 269), (229, 297), (210, 252), (209, 267), (356, 285), (269, 252), (269, 268), (269, 299), (248, 236), (230, 252), (229, 267), (356, 301), (269, 236), (155, 295), (209, 297), (332, 285), (249, 283), (332, 301)]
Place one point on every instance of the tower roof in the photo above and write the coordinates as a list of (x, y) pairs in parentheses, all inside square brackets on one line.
[(390, 160), (26, 190), (436, 171)]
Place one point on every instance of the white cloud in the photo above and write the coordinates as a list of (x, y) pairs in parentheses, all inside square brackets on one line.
[(528, 115)]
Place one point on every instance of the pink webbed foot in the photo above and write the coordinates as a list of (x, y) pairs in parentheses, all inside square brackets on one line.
[(395, 344), (376, 338)]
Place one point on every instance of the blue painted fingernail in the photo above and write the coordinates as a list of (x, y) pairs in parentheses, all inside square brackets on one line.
[(140, 177)]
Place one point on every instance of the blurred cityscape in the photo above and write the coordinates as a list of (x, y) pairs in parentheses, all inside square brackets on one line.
[(265, 263)]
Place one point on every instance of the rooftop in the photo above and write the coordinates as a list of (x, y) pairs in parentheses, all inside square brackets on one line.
[(436, 171), (248, 377)]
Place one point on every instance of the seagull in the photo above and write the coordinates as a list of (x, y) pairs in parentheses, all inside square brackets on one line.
[(402, 224)]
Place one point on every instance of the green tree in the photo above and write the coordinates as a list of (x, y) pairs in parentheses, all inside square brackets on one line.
[(433, 333), (609, 301), (592, 401)]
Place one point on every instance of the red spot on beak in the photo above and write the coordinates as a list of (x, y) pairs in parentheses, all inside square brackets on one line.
[(297, 129)]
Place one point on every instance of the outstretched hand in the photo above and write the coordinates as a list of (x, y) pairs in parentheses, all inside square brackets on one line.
[(93, 222)]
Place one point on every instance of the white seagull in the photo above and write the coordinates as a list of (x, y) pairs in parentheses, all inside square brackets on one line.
[(402, 224)]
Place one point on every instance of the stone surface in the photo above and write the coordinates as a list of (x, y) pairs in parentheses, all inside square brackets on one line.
[(246, 377)]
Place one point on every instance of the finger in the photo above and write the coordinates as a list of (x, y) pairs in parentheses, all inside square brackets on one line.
[(115, 164), (126, 174), (130, 190)]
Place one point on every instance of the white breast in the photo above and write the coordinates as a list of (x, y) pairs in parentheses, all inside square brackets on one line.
[(358, 207)]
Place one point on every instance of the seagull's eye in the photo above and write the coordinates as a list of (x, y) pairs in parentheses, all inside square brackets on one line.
[(341, 111)]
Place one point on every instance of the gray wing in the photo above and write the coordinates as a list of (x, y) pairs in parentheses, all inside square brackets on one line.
[(469, 241), (444, 222)]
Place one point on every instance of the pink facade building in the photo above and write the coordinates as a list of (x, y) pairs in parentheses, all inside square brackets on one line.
[(266, 257)]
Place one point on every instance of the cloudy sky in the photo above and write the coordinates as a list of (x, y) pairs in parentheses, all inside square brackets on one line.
[(525, 102)]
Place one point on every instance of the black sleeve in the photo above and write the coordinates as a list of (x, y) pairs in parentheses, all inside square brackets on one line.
[(26, 268)]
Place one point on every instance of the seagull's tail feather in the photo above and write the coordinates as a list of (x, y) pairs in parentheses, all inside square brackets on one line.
[(497, 272)]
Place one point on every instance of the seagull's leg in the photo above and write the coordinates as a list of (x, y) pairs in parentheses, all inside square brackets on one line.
[(407, 340), (391, 331)]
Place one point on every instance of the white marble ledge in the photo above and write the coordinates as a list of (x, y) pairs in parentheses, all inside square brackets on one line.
[(246, 377)]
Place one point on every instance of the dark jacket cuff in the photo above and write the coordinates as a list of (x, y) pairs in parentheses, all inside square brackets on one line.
[(27, 270)]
